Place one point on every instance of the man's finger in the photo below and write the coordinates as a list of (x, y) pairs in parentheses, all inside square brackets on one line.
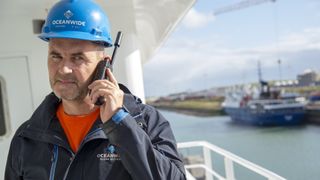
[(111, 77)]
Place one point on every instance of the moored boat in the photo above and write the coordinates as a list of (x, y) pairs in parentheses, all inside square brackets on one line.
[(269, 107), (267, 112)]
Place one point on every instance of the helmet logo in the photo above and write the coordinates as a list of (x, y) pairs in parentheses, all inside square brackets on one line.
[(68, 14)]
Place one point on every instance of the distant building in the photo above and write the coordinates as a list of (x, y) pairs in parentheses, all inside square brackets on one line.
[(286, 83), (176, 96), (308, 78)]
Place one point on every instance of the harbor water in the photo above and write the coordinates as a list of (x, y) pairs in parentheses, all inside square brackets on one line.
[(292, 152)]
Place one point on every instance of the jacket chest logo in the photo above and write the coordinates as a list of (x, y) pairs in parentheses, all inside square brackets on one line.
[(109, 154)]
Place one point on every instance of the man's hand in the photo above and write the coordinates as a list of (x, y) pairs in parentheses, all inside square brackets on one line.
[(109, 89)]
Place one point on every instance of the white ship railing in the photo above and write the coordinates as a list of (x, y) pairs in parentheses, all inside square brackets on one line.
[(229, 160)]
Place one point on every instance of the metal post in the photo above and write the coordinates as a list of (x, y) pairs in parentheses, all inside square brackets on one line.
[(207, 162), (128, 68), (228, 166)]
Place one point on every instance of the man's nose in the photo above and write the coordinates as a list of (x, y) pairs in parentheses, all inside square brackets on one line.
[(65, 67)]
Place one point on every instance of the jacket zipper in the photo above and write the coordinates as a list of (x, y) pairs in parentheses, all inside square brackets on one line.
[(54, 162), (75, 154)]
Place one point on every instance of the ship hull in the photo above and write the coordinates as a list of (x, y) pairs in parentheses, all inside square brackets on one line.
[(270, 117)]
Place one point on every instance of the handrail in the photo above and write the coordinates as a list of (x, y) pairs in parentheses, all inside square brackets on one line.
[(193, 166), (189, 176), (229, 159)]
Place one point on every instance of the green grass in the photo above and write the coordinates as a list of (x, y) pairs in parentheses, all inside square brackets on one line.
[(199, 107), (197, 104)]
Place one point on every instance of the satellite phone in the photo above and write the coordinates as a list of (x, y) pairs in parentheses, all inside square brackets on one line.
[(103, 65)]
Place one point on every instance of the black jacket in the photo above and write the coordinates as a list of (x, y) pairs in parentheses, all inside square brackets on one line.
[(140, 147)]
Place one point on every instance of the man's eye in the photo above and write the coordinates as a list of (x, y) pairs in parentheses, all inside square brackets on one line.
[(76, 58), (55, 57)]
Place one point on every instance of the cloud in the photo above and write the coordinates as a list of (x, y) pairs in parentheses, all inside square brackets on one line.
[(196, 19), (308, 39), (186, 63)]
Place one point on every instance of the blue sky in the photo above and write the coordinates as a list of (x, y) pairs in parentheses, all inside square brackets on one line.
[(210, 51)]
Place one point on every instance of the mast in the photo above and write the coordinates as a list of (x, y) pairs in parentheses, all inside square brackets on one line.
[(259, 72)]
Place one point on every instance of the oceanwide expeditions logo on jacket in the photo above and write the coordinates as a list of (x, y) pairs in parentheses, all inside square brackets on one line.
[(110, 154)]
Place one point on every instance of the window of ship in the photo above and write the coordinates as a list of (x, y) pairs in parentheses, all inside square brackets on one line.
[(3, 127)]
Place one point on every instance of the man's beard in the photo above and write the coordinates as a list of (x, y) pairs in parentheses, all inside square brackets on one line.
[(76, 93)]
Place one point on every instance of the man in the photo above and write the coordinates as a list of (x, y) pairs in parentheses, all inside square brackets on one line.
[(68, 137)]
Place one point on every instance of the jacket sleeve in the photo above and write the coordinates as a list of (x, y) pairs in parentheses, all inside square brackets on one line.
[(149, 154), (12, 165)]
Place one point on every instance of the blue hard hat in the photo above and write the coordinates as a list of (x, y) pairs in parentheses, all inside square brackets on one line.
[(77, 19)]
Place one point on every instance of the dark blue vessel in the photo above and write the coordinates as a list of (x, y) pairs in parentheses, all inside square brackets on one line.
[(267, 112), (264, 107)]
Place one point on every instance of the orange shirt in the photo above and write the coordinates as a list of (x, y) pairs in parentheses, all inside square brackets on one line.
[(76, 127)]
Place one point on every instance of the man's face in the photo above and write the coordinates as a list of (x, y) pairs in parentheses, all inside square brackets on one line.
[(71, 64)]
